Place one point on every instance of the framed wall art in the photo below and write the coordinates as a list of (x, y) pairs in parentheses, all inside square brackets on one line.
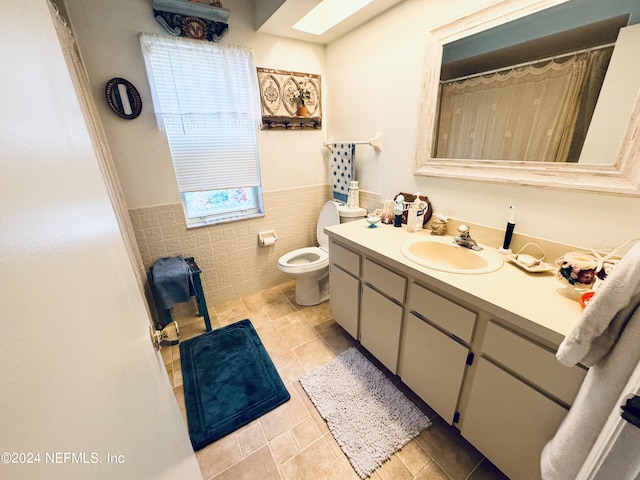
[(290, 100)]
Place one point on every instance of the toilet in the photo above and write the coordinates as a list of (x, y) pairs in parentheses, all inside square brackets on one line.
[(310, 265)]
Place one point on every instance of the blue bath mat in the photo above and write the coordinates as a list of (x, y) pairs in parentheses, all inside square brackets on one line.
[(229, 381)]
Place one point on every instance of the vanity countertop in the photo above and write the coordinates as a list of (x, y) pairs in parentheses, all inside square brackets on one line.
[(528, 301)]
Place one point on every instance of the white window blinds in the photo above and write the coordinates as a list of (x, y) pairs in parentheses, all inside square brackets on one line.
[(206, 98)]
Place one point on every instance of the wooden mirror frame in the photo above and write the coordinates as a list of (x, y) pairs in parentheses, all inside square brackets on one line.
[(622, 177), (132, 94)]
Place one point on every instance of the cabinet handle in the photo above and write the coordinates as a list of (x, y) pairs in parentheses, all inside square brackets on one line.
[(375, 289), (439, 328), (470, 358), (631, 411)]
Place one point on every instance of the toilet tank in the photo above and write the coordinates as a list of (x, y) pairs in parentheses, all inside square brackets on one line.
[(350, 214)]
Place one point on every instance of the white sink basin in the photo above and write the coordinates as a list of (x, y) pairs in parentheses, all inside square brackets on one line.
[(440, 253)]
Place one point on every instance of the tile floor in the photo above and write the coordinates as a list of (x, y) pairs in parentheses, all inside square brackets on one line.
[(292, 442)]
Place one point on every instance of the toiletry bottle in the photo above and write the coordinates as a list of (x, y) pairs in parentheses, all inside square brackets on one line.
[(397, 211), (353, 200), (415, 215), (412, 218)]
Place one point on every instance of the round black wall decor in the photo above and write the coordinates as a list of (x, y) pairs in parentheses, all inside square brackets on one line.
[(123, 98)]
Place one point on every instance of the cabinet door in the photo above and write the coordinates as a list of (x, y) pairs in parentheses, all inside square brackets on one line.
[(380, 322), (508, 421), (432, 365), (344, 299)]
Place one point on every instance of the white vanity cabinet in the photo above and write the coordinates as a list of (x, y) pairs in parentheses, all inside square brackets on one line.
[(484, 368), (433, 358), (381, 312), (344, 287), (519, 395)]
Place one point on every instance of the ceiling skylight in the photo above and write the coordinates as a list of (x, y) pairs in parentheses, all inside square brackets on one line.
[(327, 14)]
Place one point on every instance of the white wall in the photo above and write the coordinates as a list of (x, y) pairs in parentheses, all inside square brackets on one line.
[(107, 33), (79, 373), (375, 75)]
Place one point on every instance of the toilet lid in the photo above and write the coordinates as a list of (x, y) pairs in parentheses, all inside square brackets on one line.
[(328, 217)]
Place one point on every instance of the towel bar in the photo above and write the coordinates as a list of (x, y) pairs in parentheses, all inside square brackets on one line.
[(375, 142)]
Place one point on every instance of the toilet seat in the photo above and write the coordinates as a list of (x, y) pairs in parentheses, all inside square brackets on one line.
[(311, 259), (328, 217), (304, 260)]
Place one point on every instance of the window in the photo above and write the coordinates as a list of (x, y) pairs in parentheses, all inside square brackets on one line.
[(206, 99)]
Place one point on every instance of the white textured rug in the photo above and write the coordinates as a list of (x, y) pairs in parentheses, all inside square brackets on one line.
[(366, 414)]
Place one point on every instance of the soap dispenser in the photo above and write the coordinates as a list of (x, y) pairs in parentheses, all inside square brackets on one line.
[(415, 214)]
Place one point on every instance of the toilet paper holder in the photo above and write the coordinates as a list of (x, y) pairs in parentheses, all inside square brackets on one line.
[(267, 238)]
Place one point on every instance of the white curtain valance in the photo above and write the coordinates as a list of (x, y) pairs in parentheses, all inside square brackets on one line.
[(206, 98), (187, 75)]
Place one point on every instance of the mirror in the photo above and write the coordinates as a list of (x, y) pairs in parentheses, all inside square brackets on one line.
[(123, 98), (619, 145)]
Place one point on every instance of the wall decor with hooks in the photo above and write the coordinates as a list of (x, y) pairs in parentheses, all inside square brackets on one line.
[(290, 100)]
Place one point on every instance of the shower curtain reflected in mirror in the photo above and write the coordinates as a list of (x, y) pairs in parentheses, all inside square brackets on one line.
[(536, 112)]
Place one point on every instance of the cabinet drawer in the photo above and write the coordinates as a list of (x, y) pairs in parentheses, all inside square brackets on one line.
[(384, 280), (346, 259), (532, 362), (448, 315)]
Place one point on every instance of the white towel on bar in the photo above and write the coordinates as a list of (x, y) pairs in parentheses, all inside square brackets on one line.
[(614, 353), (606, 315), (597, 399), (343, 169)]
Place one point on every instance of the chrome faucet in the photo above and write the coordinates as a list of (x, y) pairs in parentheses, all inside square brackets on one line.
[(464, 239)]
